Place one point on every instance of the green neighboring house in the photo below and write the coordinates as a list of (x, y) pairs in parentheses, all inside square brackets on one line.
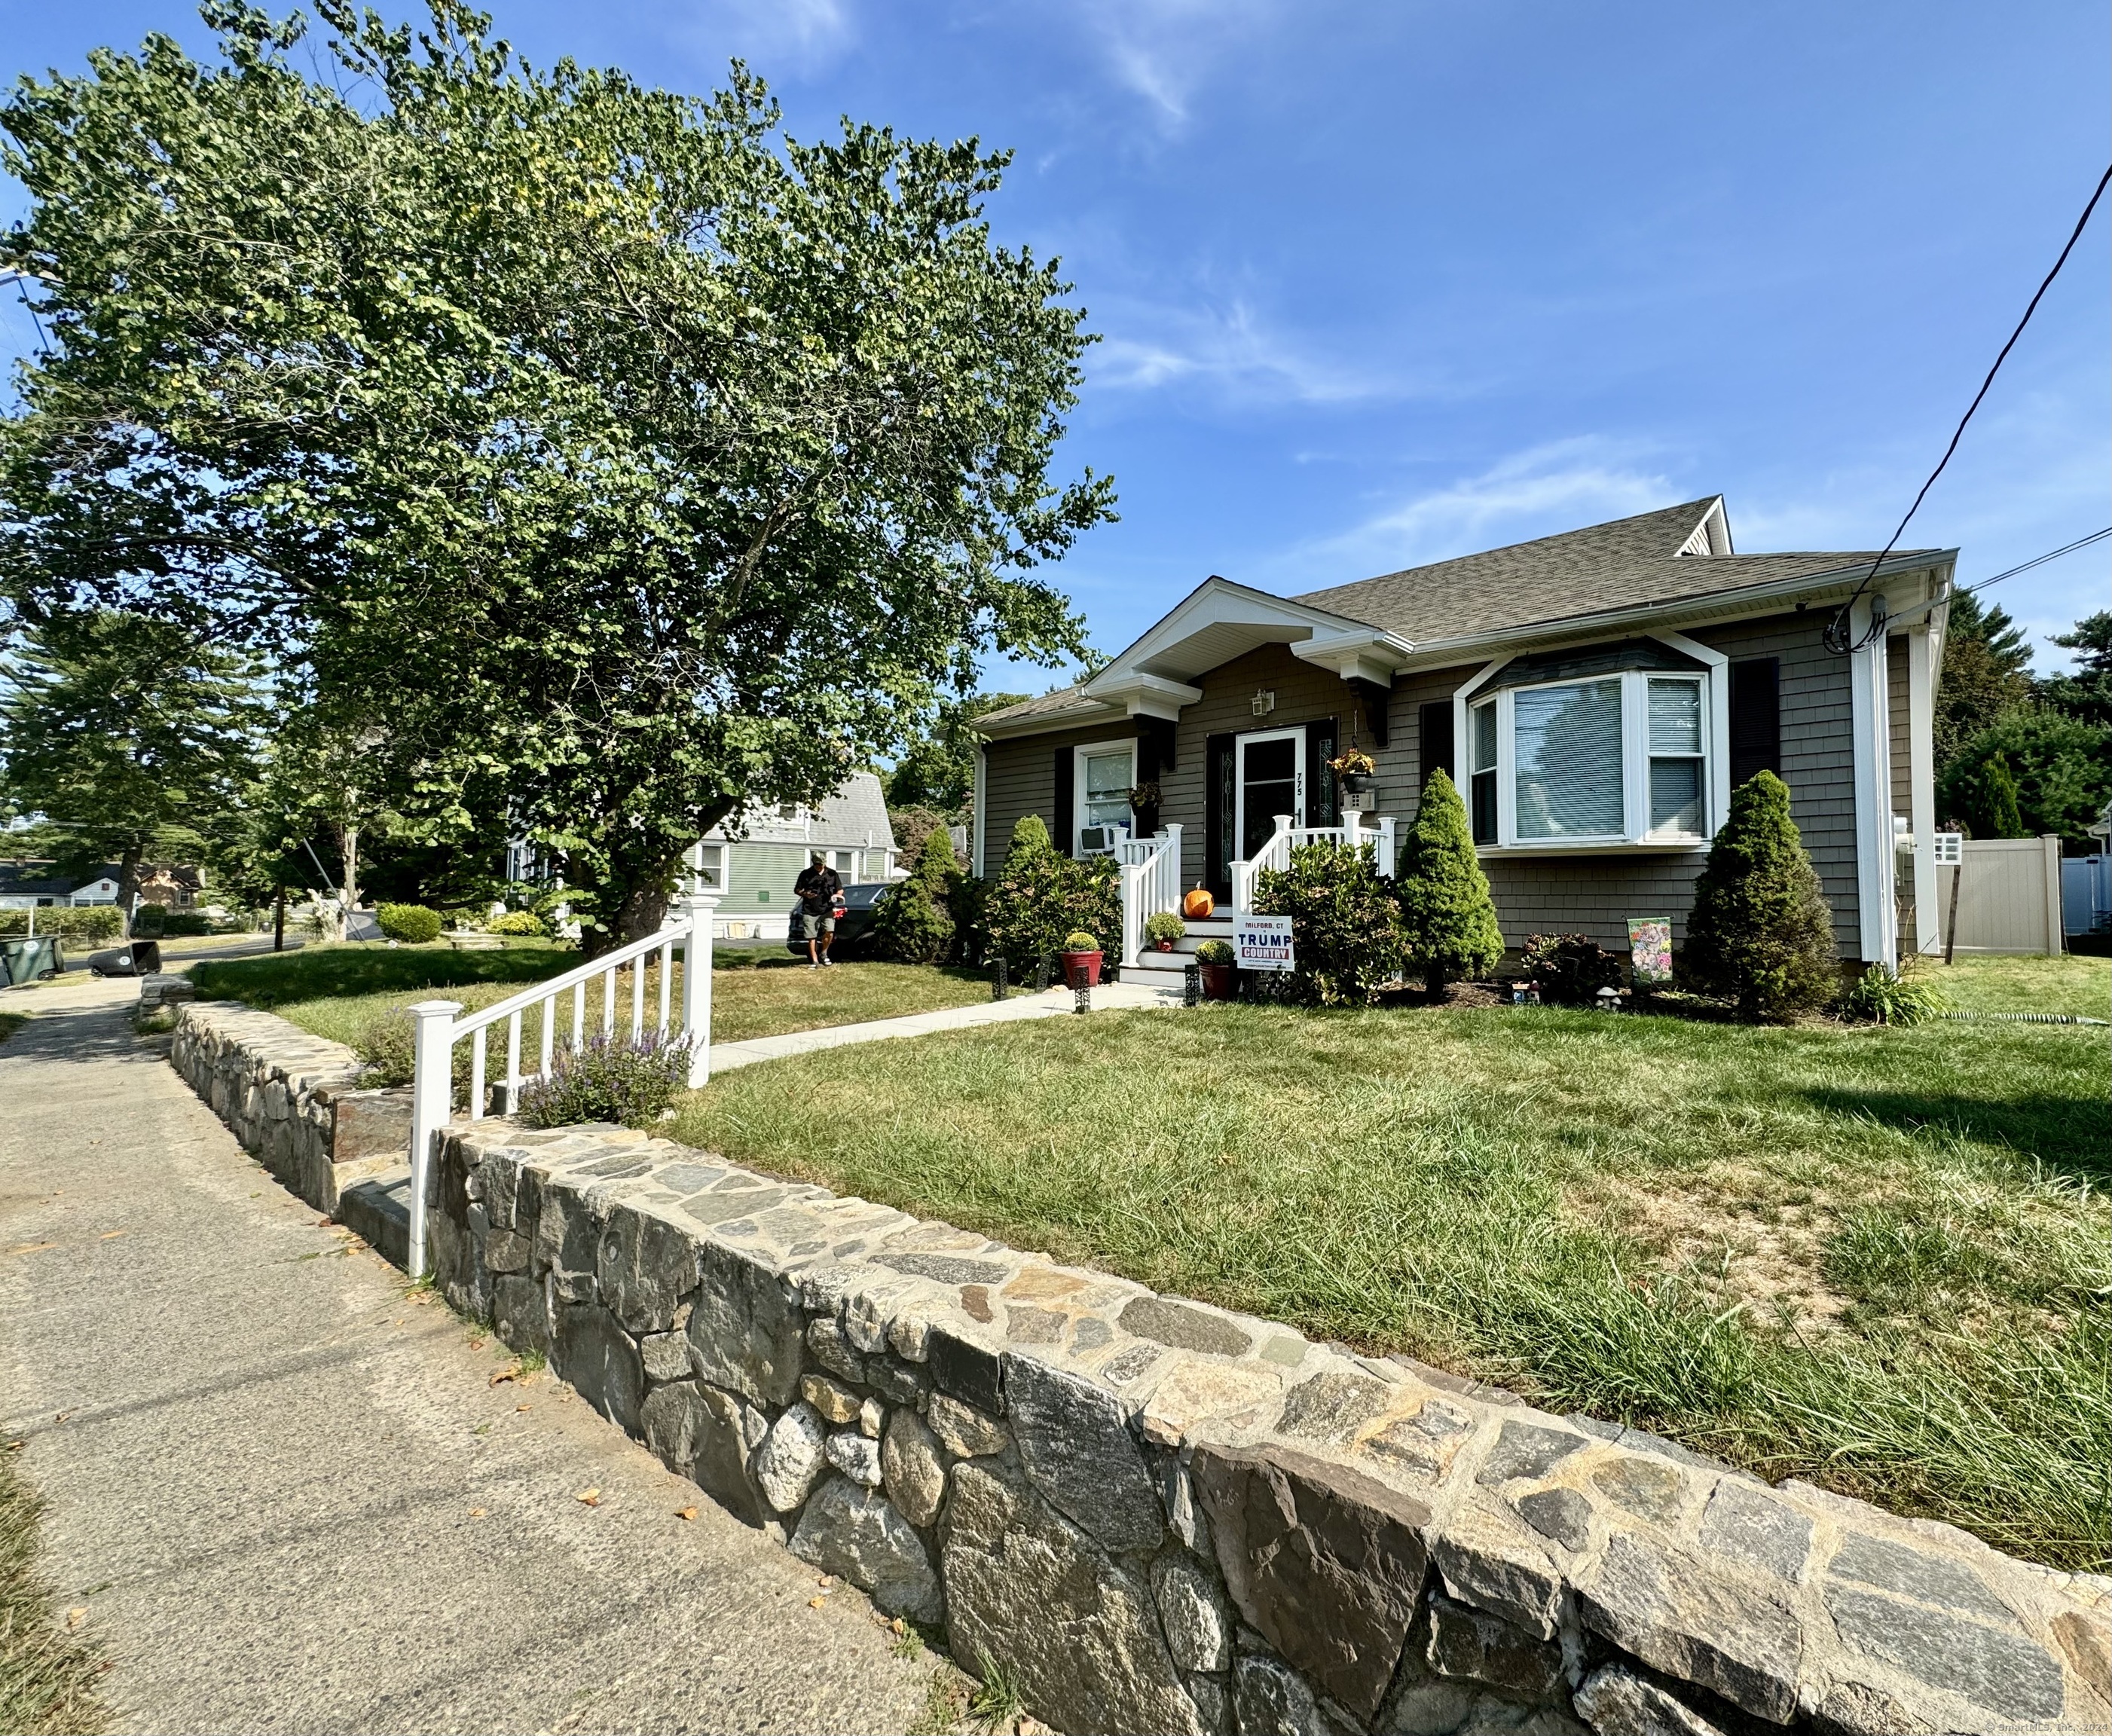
[(754, 872)]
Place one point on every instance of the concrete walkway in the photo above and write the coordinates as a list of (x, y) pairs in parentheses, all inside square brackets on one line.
[(1108, 997), (287, 1493)]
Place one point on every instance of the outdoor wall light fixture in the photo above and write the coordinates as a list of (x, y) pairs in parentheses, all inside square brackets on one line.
[(1264, 701)]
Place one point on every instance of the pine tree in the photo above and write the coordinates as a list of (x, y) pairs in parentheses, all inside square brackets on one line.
[(1445, 903), (1998, 812), (1760, 932), (916, 924)]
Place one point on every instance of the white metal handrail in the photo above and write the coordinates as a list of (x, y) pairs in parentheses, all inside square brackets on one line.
[(1353, 834), (438, 1029), (1150, 883)]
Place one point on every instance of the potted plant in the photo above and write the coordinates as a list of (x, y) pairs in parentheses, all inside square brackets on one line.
[(1082, 960), (1144, 796), (1163, 928), (1216, 959), (1355, 768)]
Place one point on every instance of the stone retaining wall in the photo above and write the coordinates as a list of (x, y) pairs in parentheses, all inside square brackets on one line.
[(1163, 1517), (293, 1100)]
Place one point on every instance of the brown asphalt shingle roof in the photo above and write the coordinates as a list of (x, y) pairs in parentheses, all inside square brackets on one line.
[(1628, 562)]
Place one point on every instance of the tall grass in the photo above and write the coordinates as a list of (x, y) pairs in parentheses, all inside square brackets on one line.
[(47, 1674)]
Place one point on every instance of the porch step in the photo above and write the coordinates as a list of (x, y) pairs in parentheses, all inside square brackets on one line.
[(1171, 963)]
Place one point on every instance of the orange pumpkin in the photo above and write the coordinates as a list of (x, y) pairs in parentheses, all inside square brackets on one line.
[(1198, 905)]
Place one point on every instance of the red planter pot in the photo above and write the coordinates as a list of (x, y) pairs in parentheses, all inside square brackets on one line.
[(1164, 945), (1081, 969), (1217, 980)]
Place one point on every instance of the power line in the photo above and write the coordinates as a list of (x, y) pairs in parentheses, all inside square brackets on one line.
[(1836, 635), (2053, 555)]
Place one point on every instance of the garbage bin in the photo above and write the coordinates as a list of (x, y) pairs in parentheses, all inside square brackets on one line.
[(25, 958), (139, 959)]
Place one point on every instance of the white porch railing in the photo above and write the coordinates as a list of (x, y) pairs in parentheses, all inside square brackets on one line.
[(1276, 853), (437, 1030), (1150, 883)]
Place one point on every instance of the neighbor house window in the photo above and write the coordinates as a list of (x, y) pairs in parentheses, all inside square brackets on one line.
[(711, 865), (1617, 758)]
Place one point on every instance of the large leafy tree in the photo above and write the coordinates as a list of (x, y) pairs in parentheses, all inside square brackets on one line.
[(602, 441), (2036, 771), (938, 768), (128, 736)]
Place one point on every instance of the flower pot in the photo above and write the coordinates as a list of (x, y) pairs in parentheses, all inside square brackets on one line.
[(1164, 945), (1217, 980), (1081, 970), (1356, 783)]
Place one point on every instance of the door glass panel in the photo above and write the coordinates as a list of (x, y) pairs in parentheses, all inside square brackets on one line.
[(1270, 788), (1568, 738)]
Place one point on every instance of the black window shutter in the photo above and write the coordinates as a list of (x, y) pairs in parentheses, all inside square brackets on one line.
[(1064, 829), (1319, 776), (1755, 717), (1217, 810), (1433, 727)]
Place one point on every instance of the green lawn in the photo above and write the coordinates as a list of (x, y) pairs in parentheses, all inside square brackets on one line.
[(1990, 984), (354, 994), (1878, 1258)]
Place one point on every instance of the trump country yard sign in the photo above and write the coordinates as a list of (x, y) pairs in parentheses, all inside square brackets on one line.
[(1261, 942)]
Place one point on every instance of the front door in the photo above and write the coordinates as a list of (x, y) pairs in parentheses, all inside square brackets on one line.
[(1270, 779)]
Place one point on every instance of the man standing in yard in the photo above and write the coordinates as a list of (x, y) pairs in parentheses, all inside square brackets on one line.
[(817, 888)]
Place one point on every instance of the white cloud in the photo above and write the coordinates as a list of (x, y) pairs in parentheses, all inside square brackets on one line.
[(1559, 486), (1162, 50), (774, 35), (1228, 349)]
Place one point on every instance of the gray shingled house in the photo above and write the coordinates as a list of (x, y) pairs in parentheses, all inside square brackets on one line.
[(1596, 695)]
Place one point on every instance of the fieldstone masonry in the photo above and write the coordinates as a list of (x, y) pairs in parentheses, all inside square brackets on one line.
[(1165, 1517), (293, 1100)]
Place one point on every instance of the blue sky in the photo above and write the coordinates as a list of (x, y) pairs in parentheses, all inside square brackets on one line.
[(1381, 284)]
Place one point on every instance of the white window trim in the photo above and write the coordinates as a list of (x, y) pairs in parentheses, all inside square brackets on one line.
[(1079, 755), (1635, 836)]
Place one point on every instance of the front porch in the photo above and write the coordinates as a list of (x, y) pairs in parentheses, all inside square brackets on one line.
[(1151, 881)]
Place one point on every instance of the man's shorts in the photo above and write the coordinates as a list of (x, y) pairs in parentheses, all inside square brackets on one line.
[(813, 928)]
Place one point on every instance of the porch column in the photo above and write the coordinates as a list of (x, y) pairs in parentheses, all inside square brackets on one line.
[(1921, 781), (1869, 724)]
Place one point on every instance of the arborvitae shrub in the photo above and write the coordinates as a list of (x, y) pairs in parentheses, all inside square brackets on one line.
[(916, 922), (1448, 916), (517, 922), (1760, 934), (1344, 925), (412, 924)]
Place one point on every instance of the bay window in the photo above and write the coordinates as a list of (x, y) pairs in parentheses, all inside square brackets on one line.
[(1619, 757)]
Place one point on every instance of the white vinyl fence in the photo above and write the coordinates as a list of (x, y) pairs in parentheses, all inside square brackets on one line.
[(437, 1030), (2008, 897)]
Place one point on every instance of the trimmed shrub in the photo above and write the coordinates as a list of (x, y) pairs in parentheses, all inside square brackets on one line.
[(1570, 968), (516, 921), (608, 1078), (180, 924), (1884, 996), (916, 924), (1163, 925), (1449, 919), (1760, 934), (1344, 924), (1215, 952), (1078, 940), (1038, 896), (412, 924), (69, 921), (150, 921)]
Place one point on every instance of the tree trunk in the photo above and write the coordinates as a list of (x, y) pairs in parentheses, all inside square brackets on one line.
[(279, 920), (350, 837)]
